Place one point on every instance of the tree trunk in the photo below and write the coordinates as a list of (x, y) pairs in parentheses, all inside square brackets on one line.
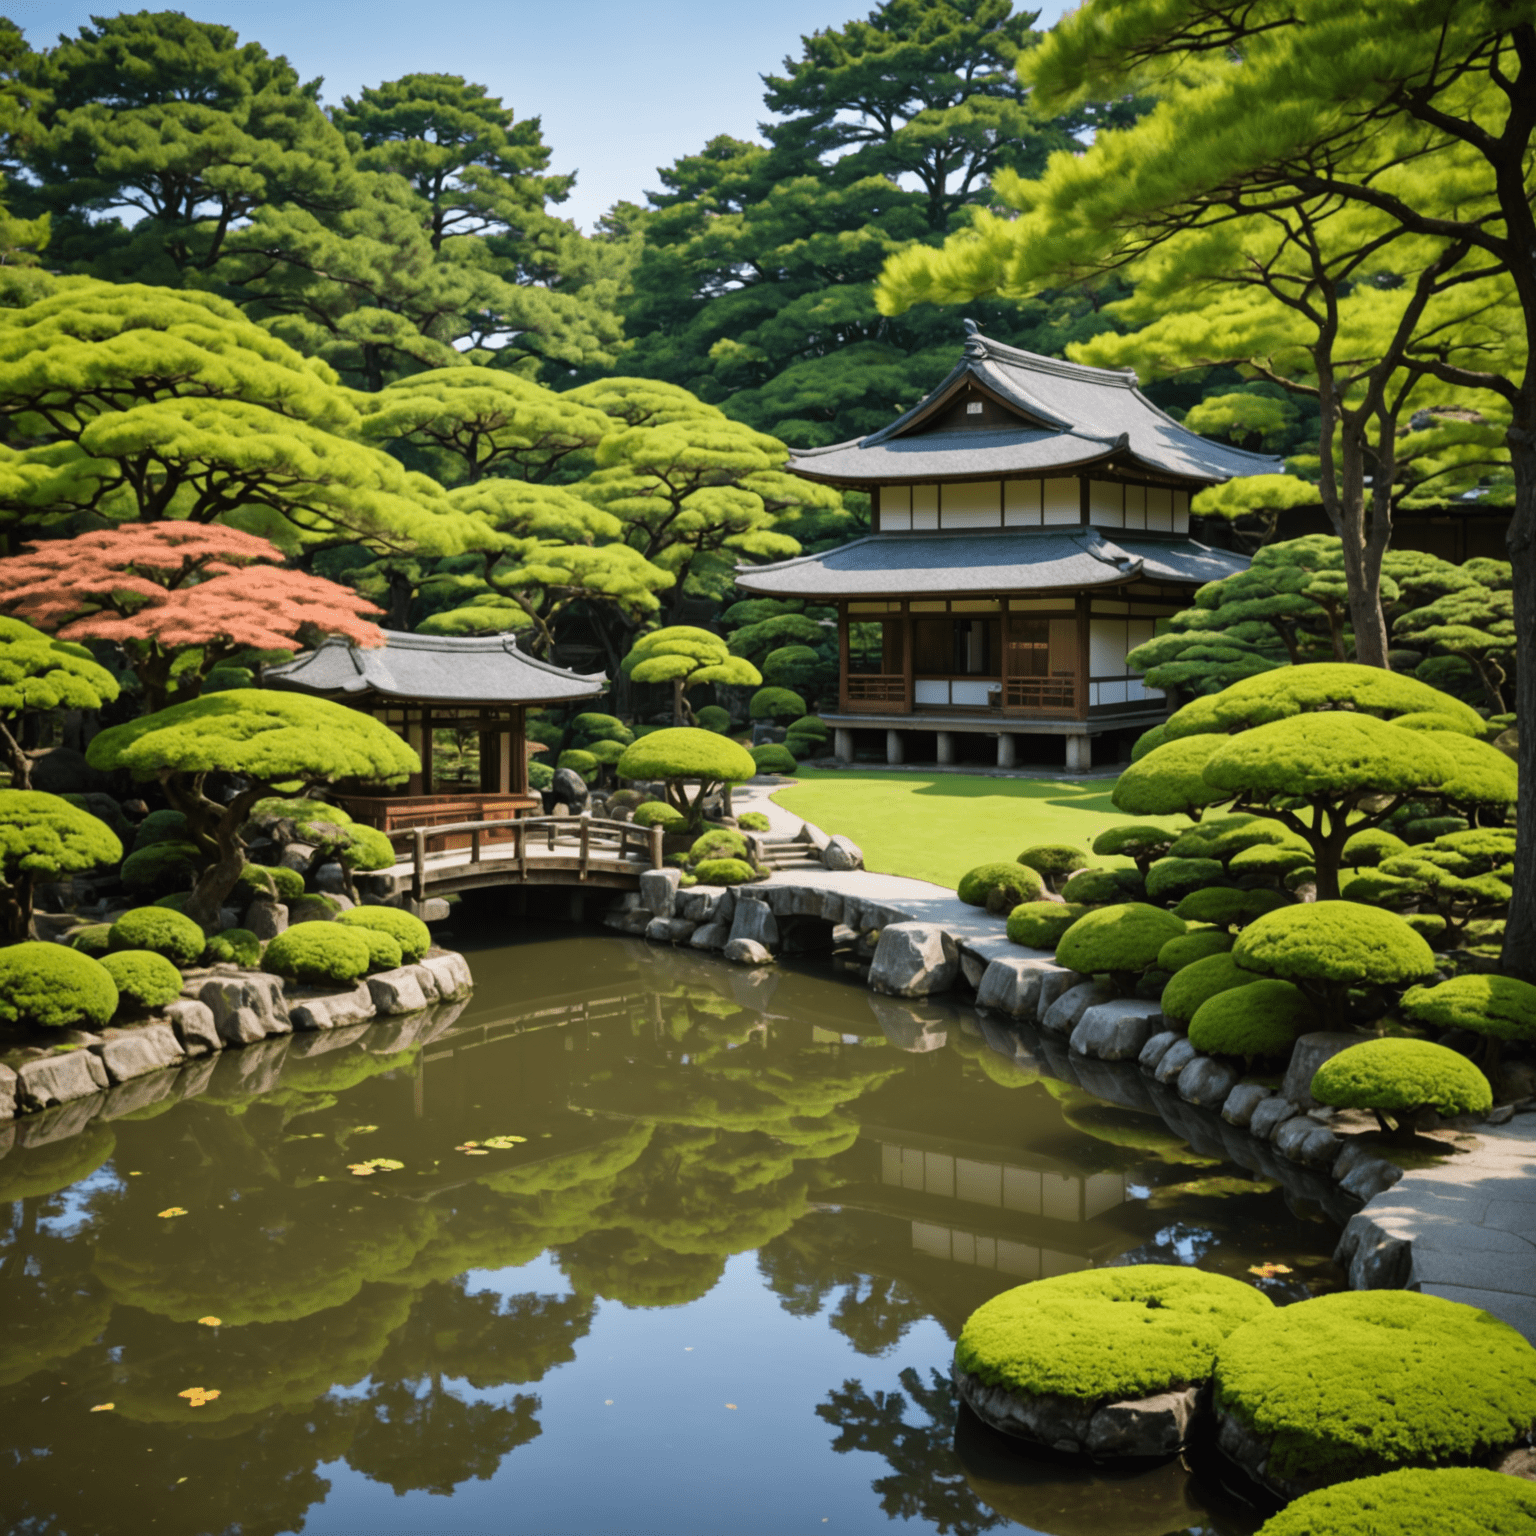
[(16, 908), (222, 825), (1364, 527), (20, 764), (1519, 957)]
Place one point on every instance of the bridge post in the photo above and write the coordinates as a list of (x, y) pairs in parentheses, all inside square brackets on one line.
[(586, 847), (658, 861), (419, 863)]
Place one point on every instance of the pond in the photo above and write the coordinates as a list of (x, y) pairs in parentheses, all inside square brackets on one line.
[(713, 1285)]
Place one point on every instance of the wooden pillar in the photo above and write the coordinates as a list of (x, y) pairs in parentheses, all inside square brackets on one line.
[(427, 775), (842, 656), (413, 739), (1083, 604), (908, 660)]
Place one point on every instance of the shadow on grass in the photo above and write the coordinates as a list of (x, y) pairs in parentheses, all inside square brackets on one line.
[(957, 786)]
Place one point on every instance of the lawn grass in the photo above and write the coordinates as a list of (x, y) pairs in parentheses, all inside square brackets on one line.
[(937, 826)]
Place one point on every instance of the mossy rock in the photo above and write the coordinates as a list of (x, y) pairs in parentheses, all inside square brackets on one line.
[(144, 980), (657, 813), (1228, 907), (92, 939), (1263, 1019), (48, 986), (724, 872), (1099, 887), (270, 882), (1500, 1006), (236, 946), (1399, 1077), (978, 886), (1200, 981), (168, 933), (1366, 1382), (161, 868), (319, 953), (314, 907), (1190, 947), (1106, 1335), (1334, 941), (408, 931), (1117, 939), (1170, 880), (753, 821), (719, 843), (1040, 924), (1053, 860), (1446, 1501)]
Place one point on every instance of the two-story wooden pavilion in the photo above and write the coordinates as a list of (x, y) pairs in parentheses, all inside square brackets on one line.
[(421, 684), (1031, 526)]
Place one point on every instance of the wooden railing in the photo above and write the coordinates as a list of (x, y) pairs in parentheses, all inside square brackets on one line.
[(877, 688), (589, 839), (1042, 693)]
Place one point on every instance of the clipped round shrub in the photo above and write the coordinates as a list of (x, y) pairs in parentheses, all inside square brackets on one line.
[(46, 986), (1169, 779), (235, 946), (143, 979), (314, 907), (681, 752), (1017, 881), (172, 934), (383, 952), (1365, 850), (753, 821), (1189, 947), (161, 827), (1400, 1077), (1499, 1006), (1105, 1335), (1428, 925), (1136, 840), (1197, 983), (540, 775), (1264, 861), (777, 704), (1054, 860), (1263, 1018), (1227, 907), (1040, 924), (1363, 1382), (319, 953), (712, 718), (1171, 880), (604, 753), (270, 882), (718, 843), (1448, 1501), (811, 728), (92, 939), (1117, 939), (589, 727), (724, 872), (1095, 887), (1338, 941), (657, 813), (1203, 840), (1145, 743), (408, 931), (161, 867), (578, 761), (772, 758)]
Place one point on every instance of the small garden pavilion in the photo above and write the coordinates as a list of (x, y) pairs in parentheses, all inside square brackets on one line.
[(1030, 527), (424, 685)]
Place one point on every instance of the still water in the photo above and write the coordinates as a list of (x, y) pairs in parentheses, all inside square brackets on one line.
[(714, 1287)]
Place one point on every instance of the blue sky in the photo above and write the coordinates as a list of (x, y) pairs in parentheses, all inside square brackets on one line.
[(621, 87)]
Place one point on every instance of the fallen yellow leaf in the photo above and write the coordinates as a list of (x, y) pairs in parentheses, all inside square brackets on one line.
[(173, 1210), (362, 1170), (465, 1146), (197, 1396), (731, 1406), (502, 1143), (375, 1165), (1269, 1271), (210, 1322), (103, 1407), (476, 1152), (362, 1130)]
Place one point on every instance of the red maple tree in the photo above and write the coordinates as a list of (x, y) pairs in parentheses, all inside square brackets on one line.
[(164, 591)]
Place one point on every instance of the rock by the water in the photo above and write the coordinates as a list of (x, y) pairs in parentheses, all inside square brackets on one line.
[(669, 930), (1011, 985), (450, 973), (753, 922), (1175, 1059), (710, 936), (1207, 1082), (1242, 1101), (127, 1053), (312, 1008), (1269, 1116), (194, 1026), (399, 990), (1308, 1054), (747, 952), (1062, 1016), (658, 891), (58, 1078), (1115, 1031), (1055, 980), (914, 960), (246, 1007), (1156, 1048)]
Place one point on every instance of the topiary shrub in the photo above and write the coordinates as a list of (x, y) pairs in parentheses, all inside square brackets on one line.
[(1227, 907), (591, 726), (1169, 780), (408, 931), (1499, 1007), (269, 883), (773, 758), (810, 728), (1055, 861), (1399, 1079), (91, 940), (724, 872), (105, 809), (1450, 1501), (776, 704), (384, 953), (161, 827), (712, 718), (1427, 925), (160, 868), (1266, 862), (1197, 983), (172, 934), (1040, 924), (1095, 887), (1189, 947), (540, 775), (314, 907), (319, 953), (1262, 1019), (1136, 840), (235, 946), (47, 986), (1363, 1382), (1106, 1335), (683, 756), (144, 980), (1170, 880), (657, 813), (583, 763), (719, 843), (1119, 941), (1365, 850), (753, 821), (1146, 742), (999, 883), (176, 903)]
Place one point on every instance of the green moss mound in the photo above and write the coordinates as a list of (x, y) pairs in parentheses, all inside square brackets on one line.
[(1170, 779), (143, 979), (1499, 1006), (383, 951), (161, 868), (808, 728), (160, 827), (1334, 941), (777, 704), (409, 932), (168, 933), (753, 821), (1262, 1019), (270, 883), (1134, 840), (1123, 938), (1103, 1335), (713, 718), (1098, 887), (719, 843), (724, 872), (1449, 1501), (1040, 924), (1227, 907), (319, 953), (578, 761), (91, 940), (46, 986), (1053, 860), (1198, 983), (236, 946), (1365, 850), (1170, 880), (978, 886), (1362, 1382), (1189, 947), (314, 907), (1398, 1076), (657, 813), (773, 758)]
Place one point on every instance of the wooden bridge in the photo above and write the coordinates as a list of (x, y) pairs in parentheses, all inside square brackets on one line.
[(572, 851)]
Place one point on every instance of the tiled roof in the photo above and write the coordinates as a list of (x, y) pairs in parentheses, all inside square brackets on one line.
[(1076, 417), (485, 669)]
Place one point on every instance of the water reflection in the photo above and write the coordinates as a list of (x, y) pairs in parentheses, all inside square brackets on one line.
[(888, 1166)]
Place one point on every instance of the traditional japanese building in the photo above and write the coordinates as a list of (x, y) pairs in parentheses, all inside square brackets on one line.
[(437, 690), (1030, 527)]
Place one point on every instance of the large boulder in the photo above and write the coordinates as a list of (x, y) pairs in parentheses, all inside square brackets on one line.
[(1207, 1082), (914, 960), (1011, 984), (1062, 1016), (194, 1026), (56, 1079), (842, 853), (247, 1007), (1309, 1053), (747, 952), (1115, 1031), (127, 1053), (569, 788), (753, 922), (314, 1008), (658, 891)]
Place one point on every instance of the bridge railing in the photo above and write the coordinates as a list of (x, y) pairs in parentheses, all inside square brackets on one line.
[(588, 839)]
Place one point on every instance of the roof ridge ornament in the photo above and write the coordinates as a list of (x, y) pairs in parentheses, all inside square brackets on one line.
[(975, 342), (1111, 554)]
